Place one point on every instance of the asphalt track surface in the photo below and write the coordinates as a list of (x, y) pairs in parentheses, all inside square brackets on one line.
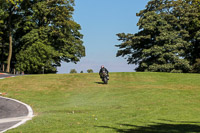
[(13, 113), (2, 76)]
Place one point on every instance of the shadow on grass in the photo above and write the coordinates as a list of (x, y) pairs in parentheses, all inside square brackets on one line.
[(158, 128), (99, 82)]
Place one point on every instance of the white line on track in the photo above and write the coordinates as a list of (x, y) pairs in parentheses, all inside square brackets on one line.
[(6, 120)]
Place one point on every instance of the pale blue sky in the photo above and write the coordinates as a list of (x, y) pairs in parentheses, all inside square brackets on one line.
[(100, 21)]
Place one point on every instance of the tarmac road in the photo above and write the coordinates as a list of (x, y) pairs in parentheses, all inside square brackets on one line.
[(2, 76), (13, 113)]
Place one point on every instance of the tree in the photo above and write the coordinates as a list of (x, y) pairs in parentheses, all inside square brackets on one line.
[(3, 39), (41, 26), (81, 72), (73, 71), (10, 14), (193, 27), (163, 39), (50, 24), (196, 66), (38, 57), (90, 71)]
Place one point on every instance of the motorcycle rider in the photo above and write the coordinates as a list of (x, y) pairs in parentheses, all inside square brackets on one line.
[(101, 72)]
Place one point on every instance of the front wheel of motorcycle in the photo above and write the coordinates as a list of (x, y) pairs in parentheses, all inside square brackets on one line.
[(105, 80)]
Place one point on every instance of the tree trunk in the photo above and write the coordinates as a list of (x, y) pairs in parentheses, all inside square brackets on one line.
[(2, 60), (10, 44), (10, 53)]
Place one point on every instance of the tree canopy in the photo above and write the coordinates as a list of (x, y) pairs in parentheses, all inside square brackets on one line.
[(45, 35), (168, 37)]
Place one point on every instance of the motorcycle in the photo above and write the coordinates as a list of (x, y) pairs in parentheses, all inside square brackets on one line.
[(105, 77)]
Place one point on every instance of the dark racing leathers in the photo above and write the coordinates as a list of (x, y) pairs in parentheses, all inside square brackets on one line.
[(101, 72)]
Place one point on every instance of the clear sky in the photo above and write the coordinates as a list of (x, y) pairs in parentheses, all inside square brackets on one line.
[(100, 21)]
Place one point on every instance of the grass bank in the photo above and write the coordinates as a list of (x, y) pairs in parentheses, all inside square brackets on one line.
[(131, 102)]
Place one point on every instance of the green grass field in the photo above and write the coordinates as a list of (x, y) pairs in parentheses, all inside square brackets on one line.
[(130, 103)]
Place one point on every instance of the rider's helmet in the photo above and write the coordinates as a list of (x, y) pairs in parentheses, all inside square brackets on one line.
[(102, 66)]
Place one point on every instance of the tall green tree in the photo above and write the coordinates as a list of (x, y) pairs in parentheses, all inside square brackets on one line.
[(2, 35), (10, 13), (193, 27), (50, 24), (163, 39)]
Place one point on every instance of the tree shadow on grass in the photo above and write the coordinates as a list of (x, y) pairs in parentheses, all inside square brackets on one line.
[(192, 127)]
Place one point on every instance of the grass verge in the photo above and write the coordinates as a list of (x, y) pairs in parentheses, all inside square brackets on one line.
[(131, 102)]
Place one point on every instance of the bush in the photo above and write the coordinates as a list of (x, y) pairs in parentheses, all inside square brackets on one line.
[(73, 71), (90, 71)]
